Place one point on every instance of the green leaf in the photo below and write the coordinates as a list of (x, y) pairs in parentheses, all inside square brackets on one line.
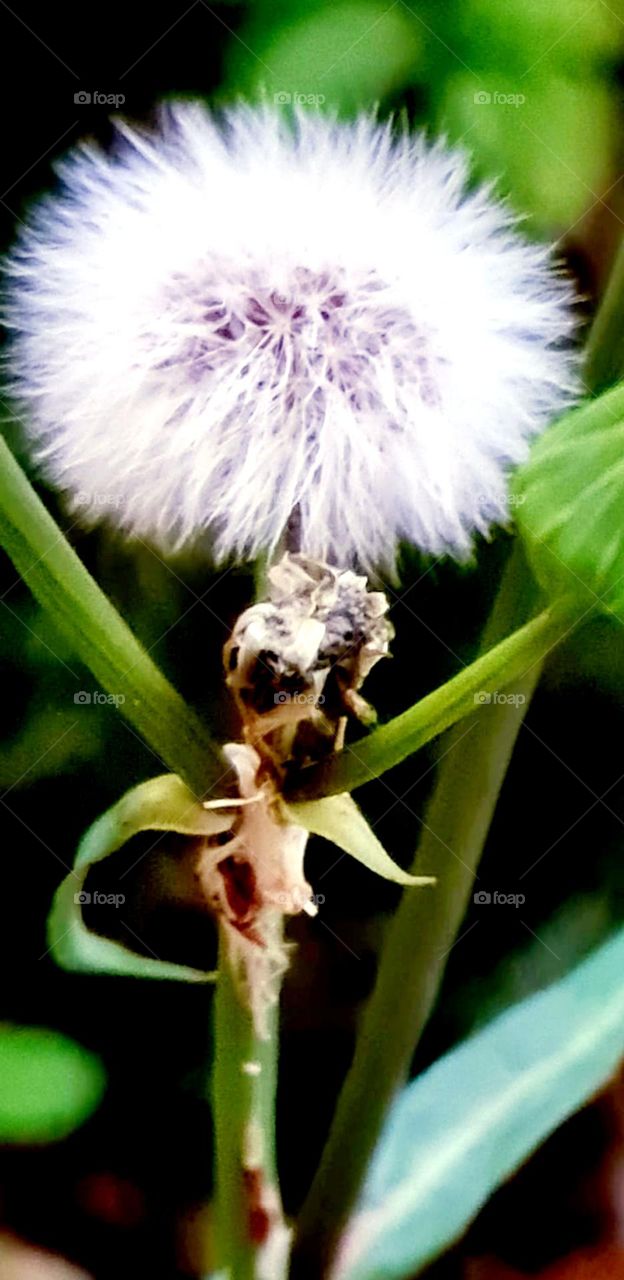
[(337, 818), (548, 138), (341, 56), (457, 1132), (98, 635), (568, 501), (162, 804), (566, 34), (49, 1085)]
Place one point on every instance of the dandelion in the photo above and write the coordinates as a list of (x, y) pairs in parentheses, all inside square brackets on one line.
[(242, 326)]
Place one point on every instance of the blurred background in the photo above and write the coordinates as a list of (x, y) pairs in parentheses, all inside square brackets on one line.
[(533, 90)]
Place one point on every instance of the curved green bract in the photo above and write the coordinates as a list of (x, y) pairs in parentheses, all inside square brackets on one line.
[(338, 819), (162, 804)]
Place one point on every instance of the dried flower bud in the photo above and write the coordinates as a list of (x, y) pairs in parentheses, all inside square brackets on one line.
[(304, 654)]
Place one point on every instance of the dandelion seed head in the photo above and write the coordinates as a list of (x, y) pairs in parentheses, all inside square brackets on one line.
[(235, 319)]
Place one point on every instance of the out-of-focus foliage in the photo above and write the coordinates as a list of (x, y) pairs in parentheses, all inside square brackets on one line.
[(49, 1085), (526, 87), (543, 115), (348, 55), (469, 1121)]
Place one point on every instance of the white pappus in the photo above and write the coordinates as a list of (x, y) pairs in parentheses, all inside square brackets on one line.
[(242, 320)]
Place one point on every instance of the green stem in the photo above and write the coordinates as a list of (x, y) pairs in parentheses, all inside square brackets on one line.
[(408, 732), (243, 1095), (99, 636), (476, 755), (604, 354), (243, 1104)]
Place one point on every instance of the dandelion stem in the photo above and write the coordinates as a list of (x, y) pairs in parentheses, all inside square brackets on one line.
[(244, 1087), (243, 1093)]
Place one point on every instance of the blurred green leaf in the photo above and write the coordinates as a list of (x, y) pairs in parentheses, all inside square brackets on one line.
[(568, 34), (548, 138), (457, 1132), (343, 55), (49, 1085), (162, 804), (568, 502)]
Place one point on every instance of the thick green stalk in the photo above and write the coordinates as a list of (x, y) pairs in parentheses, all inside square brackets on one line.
[(99, 636), (417, 942), (243, 1095), (408, 732), (244, 1087)]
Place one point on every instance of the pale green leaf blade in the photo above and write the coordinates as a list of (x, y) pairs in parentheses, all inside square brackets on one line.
[(338, 818), (465, 1125)]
